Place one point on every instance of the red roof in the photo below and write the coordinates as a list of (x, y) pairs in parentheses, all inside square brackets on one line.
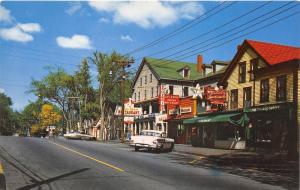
[(275, 53)]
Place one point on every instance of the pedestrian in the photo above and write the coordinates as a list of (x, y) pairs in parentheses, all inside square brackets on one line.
[(129, 135)]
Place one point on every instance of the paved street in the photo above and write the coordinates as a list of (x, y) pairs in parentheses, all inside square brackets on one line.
[(34, 163)]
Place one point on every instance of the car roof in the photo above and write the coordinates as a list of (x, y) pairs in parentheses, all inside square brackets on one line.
[(155, 131)]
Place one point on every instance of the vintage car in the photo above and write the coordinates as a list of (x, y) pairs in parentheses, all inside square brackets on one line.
[(80, 136), (152, 140)]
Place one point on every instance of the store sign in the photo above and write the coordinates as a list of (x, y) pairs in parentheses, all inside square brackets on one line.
[(160, 118), (215, 95), (171, 99), (185, 110), (128, 111), (128, 120)]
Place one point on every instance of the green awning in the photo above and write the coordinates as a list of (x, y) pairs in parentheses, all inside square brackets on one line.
[(230, 118), (190, 121), (218, 118)]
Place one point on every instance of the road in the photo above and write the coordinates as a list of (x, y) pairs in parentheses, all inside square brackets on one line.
[(34, 163)]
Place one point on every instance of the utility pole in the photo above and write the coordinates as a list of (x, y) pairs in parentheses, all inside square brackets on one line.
[(123, 64)]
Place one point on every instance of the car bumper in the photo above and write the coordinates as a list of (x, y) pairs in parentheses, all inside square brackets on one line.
[(140, 145)]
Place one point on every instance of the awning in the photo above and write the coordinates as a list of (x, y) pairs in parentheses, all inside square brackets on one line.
[(233, 118)]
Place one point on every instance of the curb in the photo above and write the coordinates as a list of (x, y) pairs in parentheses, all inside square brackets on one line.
[(2, 178)]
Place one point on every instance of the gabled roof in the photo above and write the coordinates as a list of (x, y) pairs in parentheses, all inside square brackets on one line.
[(272, 54), (168, 69)]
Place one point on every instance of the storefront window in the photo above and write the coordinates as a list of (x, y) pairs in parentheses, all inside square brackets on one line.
[(264, 90), (281, 88), (180, 129), (242, 72), (247, 97), (150, 77), (234, 99), (225, 133)]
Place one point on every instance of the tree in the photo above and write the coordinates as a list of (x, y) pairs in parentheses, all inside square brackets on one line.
[(56, 87), (49, 116), (6, 115), (109, 76)]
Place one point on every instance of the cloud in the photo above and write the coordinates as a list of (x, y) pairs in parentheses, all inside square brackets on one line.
[(29, 27), (148, 14), (2, 90), (74, 8), (104, 20), (75, 42), (15, 34), (5, 14), (126, 38)]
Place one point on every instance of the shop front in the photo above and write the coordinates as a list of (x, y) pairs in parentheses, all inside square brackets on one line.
[(218, 130), (176, 115), (269, 126)]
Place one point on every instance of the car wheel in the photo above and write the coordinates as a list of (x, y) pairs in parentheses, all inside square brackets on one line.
[(136, 149), (171, 148)]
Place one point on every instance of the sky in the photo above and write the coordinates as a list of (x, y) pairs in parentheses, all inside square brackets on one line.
[(35, 36)]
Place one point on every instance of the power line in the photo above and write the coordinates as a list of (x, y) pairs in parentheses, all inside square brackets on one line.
[(232, 29), (210, 31), (182, 28), (230, 40)]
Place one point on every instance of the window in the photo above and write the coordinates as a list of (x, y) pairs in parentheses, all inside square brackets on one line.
[(253, 67), (145, 94), (157, 90), (185, 73), (185, 91), (281, 88), (134, 96), (139, 96), (171, 89), (141, 81), (234, 99), (264, 90), (150, 77), (242, 72), (247, 97), (152, 92), (145, 79)]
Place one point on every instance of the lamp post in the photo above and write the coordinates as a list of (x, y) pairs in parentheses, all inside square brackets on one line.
[(123, 64)]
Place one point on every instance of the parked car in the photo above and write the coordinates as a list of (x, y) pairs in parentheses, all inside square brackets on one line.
[(80, 136), (152, 140)]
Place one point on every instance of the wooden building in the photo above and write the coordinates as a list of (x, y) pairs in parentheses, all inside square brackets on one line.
[(262, 81)]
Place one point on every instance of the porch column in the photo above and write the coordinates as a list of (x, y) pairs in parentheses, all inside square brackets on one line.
[(148, 123), (150, 108), (135, 130)]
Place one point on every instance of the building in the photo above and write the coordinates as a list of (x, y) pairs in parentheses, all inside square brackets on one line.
[(154, 79), (262, 82), (208, 77)]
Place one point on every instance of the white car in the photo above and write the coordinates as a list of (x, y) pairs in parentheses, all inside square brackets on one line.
[(76, 135), (152, 140)]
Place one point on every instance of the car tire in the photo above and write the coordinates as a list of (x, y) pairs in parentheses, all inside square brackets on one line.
[(136, 149), (171, 148)]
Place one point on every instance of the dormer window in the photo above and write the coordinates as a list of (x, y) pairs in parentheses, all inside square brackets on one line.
[(186, 72)]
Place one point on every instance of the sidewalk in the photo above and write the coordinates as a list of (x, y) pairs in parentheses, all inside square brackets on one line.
[(189, 149)]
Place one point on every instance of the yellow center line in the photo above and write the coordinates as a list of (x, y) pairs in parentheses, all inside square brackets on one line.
[(89, 157), (1, 169)]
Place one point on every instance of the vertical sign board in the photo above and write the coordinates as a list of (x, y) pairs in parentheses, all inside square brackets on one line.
[(161, 98)]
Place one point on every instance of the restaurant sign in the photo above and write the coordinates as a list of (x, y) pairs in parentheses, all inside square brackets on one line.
[(160, 118), (171, 99), (215, 95), (128, 111)]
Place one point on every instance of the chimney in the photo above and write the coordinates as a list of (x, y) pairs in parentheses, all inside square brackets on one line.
[(199, 63), (238, 47)]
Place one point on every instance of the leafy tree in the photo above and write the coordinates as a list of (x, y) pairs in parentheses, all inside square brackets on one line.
[(56, 87), (6, 115), (109, 77)]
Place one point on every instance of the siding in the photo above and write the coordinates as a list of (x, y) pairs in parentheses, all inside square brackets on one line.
[(141, 88), (272, 75)]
